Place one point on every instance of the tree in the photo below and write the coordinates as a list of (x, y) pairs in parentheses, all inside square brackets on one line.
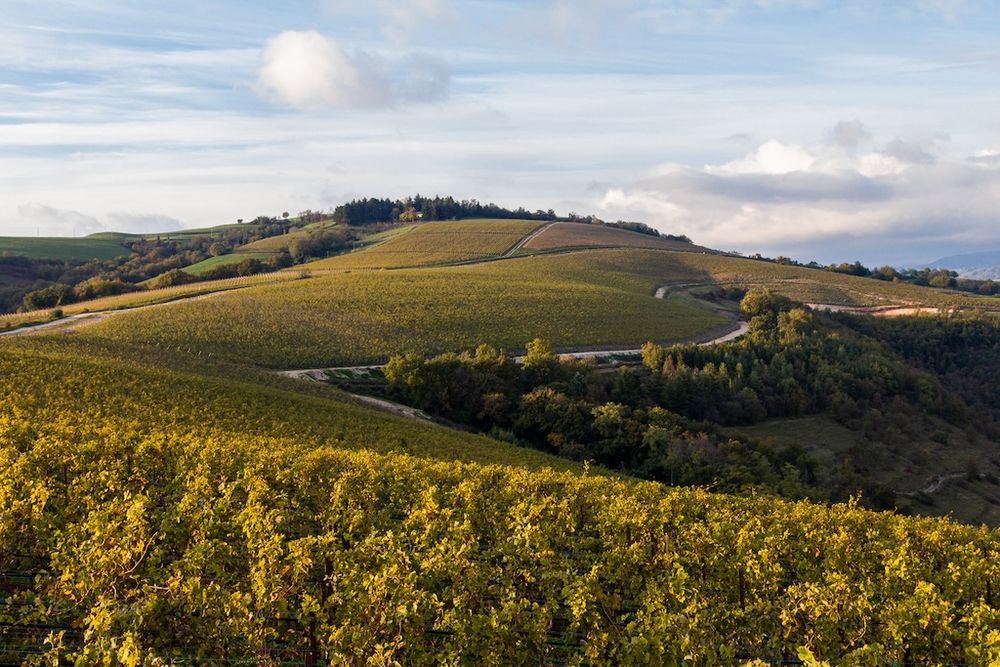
[(409, 215)]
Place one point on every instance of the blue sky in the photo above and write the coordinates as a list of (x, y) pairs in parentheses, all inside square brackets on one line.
[(812, 128)]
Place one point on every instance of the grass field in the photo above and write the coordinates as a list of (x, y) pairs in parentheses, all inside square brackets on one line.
[(224, 260), (575, 235), (593, 298), (166, 235), (62, 248), (433, 243)]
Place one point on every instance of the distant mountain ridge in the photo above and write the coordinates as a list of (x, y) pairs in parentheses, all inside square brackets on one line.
[(977, 265)]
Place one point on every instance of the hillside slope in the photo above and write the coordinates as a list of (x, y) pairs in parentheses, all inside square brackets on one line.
[(203, 510), (165, 499)]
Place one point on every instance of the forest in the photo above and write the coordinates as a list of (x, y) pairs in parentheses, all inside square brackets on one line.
[(664, 420)]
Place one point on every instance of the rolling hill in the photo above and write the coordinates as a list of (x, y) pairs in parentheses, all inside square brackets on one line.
[(434, 243), (209, 509), (63, 248), (976, 265)]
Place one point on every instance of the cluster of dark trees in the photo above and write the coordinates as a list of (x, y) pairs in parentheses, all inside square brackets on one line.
[(322, 243), (925, 277), (963, 350), (367, 211), (665, 420), (643, 228), (567, 407)]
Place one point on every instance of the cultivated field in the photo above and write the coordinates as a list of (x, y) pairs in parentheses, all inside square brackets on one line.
[(213, 511), (280, 243), (819, 286), (329, 320), (592, 297), (143, 298), (432, 243), (576, 235), (207, 509)]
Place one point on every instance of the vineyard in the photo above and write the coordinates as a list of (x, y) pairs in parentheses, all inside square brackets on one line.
[(576, 235), (584, 298), (144, 298), (124, 538), (368, 316), (436, 243), (280, 243), (163, 500), (818, 286)]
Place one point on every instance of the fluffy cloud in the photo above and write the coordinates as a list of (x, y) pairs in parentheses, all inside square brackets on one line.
[(850, 133), (788, 197), (310, 70), (57, 221)]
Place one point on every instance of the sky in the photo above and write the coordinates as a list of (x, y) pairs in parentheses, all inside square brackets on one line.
[(828, 130)]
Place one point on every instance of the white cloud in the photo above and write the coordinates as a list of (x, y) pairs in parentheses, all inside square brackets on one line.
[(307, 69), (772, 157), (823, 200), (51, 221), (310, 70), (57, 222)]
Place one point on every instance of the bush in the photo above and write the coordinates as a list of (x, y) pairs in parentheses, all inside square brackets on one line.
[(95, 287), (171, 278)]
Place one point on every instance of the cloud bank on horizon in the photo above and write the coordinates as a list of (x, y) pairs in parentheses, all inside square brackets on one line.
[(811, 128)]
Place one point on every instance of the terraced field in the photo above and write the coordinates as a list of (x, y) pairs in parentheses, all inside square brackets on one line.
[(433, 243)]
